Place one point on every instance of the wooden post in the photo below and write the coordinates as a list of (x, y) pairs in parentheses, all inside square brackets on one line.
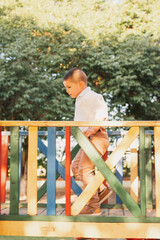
[(14, 171), (51, 172), (67, 174), (32, 171), (119, 173), (142, 172), (148, 171), (0, 164), (134, 171), (157, 168), (20, 161)]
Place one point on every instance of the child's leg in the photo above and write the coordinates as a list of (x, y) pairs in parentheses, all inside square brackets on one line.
[(101, 143), (86, 173), (75, 164)]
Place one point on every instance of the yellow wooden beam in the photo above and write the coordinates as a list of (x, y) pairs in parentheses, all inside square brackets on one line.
[(113, 159), (81, 124), (32, 170), (134, 171), (134, 174), (157, 168), (80, 229)]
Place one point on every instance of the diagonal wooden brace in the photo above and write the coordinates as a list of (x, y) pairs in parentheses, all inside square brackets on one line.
[(105, 172)]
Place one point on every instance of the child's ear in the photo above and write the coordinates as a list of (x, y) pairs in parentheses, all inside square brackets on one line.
[(81, 84)]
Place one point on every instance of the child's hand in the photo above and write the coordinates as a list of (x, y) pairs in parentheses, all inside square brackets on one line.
[(90, 131)]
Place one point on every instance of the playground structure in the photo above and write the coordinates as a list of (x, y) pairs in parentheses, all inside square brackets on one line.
[(142, 214)]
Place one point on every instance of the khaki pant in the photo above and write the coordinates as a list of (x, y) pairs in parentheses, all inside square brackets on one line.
[(84, 169)]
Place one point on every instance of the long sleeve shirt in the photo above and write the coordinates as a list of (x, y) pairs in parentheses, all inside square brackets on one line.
[(90, 106)]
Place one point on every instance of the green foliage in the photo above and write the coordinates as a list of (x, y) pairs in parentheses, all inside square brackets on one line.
[(33, 62), (116, 44)]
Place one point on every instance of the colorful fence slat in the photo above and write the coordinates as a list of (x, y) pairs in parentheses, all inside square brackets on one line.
[(142, 172), (157, 168), (137, 221), (134, 171), (32, 170), (51, 172), (67, 173), (4, 159), (14, 171), (148, 171), (105, 171), (60, 171), (20, 160), (0, 164), (119, 175)]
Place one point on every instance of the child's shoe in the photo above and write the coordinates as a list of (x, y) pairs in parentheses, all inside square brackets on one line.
[(90, 210)]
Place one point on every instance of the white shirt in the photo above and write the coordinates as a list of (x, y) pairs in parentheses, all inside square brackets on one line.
[(90, 106)]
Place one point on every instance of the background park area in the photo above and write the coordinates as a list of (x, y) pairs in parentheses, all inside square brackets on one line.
[(117, 44)]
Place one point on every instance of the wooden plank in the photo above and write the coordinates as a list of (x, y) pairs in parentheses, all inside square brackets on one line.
[(80, 229), (142, 171), (67, 173), (104, 169), (148, 170), (3, 162), (51, 171), (119, 175), (157, 168), (81, 218), (0, 164), (60, 171), (14, 171), (32, 171), (134, 174), (82, 124), (20, 160), (122, 147)]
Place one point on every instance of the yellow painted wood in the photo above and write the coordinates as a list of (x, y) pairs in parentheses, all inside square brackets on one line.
[(157, 168), (80, 229), (122, 147), (82, 124), (113, 159), (32, 171), (134, 174)]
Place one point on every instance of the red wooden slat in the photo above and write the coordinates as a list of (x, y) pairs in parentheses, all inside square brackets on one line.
[(4, 158), (0, 163)]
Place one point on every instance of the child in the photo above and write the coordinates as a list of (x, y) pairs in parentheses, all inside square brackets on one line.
[(89, 106)]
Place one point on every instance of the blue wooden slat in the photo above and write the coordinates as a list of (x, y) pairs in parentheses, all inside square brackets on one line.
[(51, 172), (60, 169), (119, 173), (42, 147), (75, 187)]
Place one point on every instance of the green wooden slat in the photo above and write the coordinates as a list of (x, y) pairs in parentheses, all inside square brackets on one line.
[(14, 171), (142, 171), (148, 171), (74, 151), (80, 218), (105, 171)]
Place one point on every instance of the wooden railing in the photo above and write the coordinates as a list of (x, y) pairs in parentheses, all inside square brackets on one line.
[(140, 223)]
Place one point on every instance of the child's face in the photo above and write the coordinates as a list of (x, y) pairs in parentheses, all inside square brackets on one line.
[(73, 89)]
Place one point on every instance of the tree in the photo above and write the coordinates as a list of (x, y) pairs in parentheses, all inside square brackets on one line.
[(128, 75), (117, 45), (32, 65)]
